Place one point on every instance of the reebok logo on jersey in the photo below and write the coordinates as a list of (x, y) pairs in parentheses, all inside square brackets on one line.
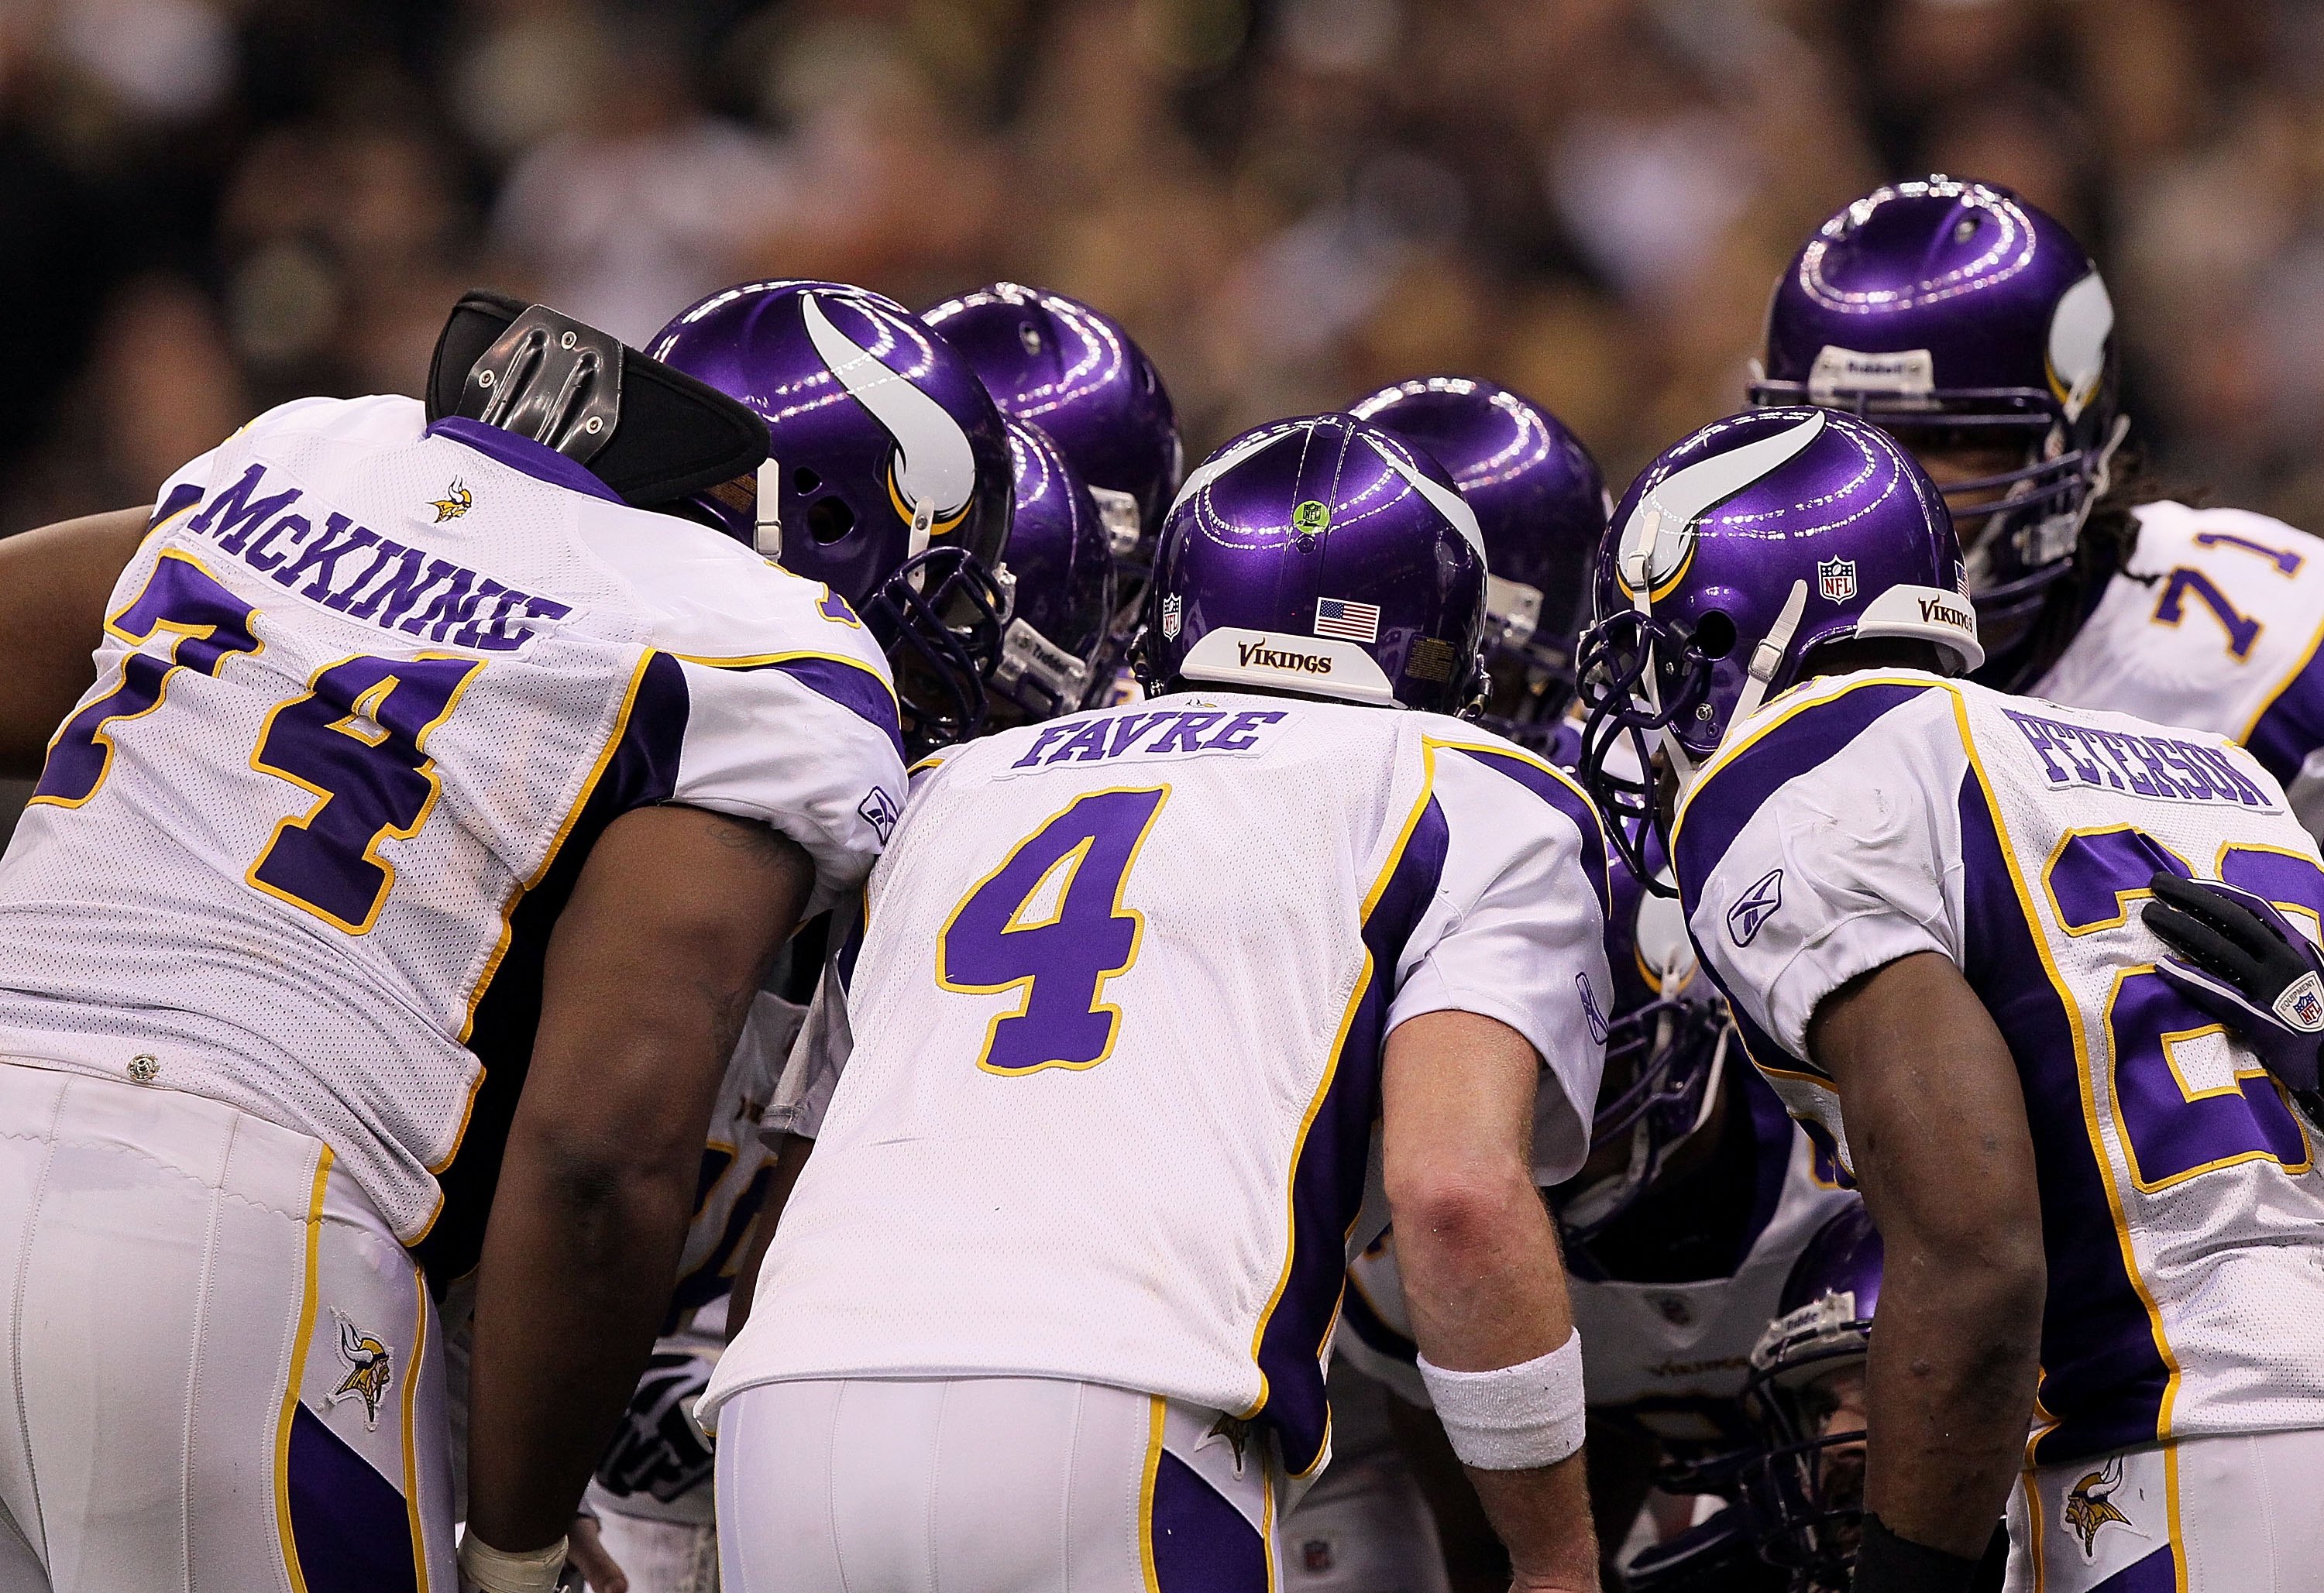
[(2164, 766), (1591, 1012), (1758, 905), (877, 809)]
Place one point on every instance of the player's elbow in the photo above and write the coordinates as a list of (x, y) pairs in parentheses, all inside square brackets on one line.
[(1461, 1208), (612, 1166)]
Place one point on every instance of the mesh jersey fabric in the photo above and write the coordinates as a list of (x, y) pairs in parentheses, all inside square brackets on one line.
[(310, 871), (1169, 1210), (1869, 816)]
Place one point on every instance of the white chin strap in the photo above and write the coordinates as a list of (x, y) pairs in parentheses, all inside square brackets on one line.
[(1767, 658), (767, 534)]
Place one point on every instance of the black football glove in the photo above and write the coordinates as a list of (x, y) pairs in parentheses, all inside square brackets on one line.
[(2247, 966), (659, 1450)]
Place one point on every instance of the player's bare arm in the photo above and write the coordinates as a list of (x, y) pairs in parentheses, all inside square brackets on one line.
[(791, 1153), (1481, 1271), (54, 583), (650, 975), (1937, 1127)]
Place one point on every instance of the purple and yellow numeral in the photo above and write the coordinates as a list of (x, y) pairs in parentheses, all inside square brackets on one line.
[(2170, 1131), (1049, 922), (2286, 562), (2094, 875), (834, 607), (358, 742), (2242, 630), (208, 625)]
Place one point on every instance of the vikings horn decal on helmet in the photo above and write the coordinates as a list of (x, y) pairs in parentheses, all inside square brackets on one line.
[(1060, 567), (1710, 597), (1803, 1480), (1072, 371), (887, 476), (1542, 506), (1321, 556), (1946, 310)]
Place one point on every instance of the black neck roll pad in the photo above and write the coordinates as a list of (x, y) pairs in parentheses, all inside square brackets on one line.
[(653, 434)]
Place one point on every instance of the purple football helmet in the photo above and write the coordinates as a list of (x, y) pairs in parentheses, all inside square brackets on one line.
[(1543, 507), (1664, 1045), (1732, 558), (1947, 309), (888, 477), (1322, 555), (1059, 573), (1072, 371), (1803, 1484)]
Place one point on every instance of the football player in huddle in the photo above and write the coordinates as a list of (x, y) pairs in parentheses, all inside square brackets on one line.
[(1542, 506), (1699, 1191), (887, 480), (1071, 371), (384, 913), (1048, 1252), (2101, 1216), (652, 1495), (1973, 327)]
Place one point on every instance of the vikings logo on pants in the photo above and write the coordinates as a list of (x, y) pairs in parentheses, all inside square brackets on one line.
[(2089, 1505), (371, 1367)]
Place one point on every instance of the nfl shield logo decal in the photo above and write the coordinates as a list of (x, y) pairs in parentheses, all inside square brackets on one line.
[(1836, 577), (2302, 1004), (1170, 617)]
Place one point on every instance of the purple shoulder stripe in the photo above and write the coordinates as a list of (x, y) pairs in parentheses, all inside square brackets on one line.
[(521, 453), (1729, 794), (851, 685), (184, 496), (2292, 725), (1563, 794)]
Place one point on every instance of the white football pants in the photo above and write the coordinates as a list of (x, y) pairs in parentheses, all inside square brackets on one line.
[(1365, 1527), (2241, 1514), (218, 1369), (987, 1485)]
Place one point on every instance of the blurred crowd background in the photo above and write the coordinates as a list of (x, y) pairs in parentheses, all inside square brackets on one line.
[(208, 206)]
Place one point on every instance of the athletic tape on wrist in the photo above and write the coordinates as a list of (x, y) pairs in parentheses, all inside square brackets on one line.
[(1507, 1420), (489, 1570)]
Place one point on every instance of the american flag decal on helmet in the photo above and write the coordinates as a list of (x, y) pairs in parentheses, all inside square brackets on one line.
[(1350, 622)]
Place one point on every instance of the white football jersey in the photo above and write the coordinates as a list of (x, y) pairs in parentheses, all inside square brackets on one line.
[(369, 692), (1118, 1020), (1671, 1356), (2213, 625), (1865, 817)]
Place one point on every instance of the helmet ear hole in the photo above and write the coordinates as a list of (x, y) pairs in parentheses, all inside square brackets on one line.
[(829, 519), (1714, 638)]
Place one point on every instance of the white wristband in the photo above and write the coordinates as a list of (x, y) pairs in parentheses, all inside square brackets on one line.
[(488, 1570), (1514, 1417)]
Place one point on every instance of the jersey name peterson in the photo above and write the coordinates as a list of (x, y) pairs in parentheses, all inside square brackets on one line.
[(2164, 767)]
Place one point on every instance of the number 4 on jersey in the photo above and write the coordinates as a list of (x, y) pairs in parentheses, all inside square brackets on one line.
[(358, 741), (1049, 922)]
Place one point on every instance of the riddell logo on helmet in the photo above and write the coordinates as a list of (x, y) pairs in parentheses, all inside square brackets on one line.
[(1936, 611), (1257, 654)]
